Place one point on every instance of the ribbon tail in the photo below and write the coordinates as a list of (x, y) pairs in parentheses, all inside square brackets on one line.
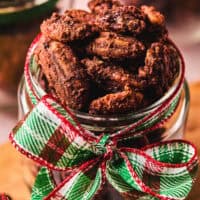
[(83, 183), (118, 175), (165, 171), (44, 184)]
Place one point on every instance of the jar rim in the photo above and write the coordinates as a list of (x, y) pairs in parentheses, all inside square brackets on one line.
[(121, 117)]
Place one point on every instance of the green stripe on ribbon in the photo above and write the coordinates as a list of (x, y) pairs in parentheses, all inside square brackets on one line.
[(119, 176), (43, 185), (84, 184)]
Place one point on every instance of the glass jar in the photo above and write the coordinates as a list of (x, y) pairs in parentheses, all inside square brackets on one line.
[(172, 128), (19, 23)]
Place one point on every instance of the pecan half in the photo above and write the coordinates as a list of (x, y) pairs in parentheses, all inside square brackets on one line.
[(125, 19), (67, 27), (112, 78), (110, 45), (120, 102), (161, 65), (64, 73), (98, 6)]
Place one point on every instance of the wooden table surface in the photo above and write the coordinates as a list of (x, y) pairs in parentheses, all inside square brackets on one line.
[(11, 171)]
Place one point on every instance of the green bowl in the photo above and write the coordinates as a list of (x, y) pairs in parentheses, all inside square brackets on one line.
[(13, 15)]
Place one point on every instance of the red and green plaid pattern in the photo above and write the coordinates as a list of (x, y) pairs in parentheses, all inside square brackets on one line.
[(50, 135), (56, 141)]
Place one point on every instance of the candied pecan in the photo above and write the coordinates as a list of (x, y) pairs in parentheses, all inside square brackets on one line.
[(120, 102), (66, 27), (83, 16), (109, 45), (161, 65), (154, 16), (64, 73), (155, 27), (111, 78), (98, 6), (125, 19)]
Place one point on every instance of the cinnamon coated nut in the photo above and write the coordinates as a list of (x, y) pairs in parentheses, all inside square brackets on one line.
[(155, 27), (124, 19), (110, 45), (116, 103), (154, 16), (64, 73), (161, 65), (98, 6), (67, 27), (111, 77), (84, 17), (81, 15)]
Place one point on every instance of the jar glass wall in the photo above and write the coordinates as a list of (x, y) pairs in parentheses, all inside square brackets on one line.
[(172, 129)]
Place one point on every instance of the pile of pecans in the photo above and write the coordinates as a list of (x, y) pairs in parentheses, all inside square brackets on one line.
[(115, 59)]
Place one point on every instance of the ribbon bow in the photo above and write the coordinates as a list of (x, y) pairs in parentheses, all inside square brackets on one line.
[(51, 136)]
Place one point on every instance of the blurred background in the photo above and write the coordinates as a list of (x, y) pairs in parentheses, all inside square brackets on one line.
[(20, 20)]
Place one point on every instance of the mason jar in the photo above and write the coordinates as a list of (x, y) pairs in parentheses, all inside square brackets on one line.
[(173, 127)]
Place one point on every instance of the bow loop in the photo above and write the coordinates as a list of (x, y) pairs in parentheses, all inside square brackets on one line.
[(83, 183), (165, 170), (175, 153), (50, 136)]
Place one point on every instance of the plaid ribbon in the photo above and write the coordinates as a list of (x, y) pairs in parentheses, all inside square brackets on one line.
[(50, 135)]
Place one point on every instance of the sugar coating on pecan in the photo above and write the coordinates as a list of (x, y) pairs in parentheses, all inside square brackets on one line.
[(98, 6), (154, 16), (64, 73), (80, 15), (112, 78), (155, 26), (120, 102), (83, 16), (110, 45), (161, 65), (124, 19), (67, 27)]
